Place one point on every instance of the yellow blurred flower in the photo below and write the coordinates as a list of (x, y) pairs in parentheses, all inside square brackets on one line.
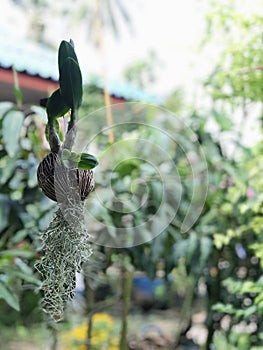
[(102, 325), (114, 344)]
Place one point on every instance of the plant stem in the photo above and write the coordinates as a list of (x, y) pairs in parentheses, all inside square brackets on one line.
[(54, 335), (73, 118), (126, 297), (54, 340), (89, 305), (53, 138), (71, 133), (186, 314)]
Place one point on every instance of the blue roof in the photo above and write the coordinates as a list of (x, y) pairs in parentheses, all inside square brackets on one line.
[(37, 59), (26, 56), (128, 91)]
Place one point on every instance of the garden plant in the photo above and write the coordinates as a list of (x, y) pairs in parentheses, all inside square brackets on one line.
[(214, 269)]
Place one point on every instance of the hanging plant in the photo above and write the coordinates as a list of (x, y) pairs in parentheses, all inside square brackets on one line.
[(65, 177)]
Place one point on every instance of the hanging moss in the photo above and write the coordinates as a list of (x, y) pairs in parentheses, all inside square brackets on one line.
[(65, 248)]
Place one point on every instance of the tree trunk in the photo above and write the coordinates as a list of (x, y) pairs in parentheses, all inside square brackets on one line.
[(126, 281), (90, 311)]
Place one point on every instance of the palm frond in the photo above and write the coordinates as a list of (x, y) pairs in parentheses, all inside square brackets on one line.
[(111, 18), (123, 12)]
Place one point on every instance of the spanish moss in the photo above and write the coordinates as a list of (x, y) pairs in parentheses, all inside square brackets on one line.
[(65, 247)]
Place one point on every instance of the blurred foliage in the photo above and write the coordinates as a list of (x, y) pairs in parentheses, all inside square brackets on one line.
[(92, 99), (238, 75), (235, 216), (142, 72), (23, 209), (219, 261)]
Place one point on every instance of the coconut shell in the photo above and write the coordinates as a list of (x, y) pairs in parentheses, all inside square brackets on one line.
[(60, 183)]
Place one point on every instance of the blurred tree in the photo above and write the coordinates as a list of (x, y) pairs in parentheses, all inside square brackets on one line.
[(36, 10), (100, 14), (142, 72)]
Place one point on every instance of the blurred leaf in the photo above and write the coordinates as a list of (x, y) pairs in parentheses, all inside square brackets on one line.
[(250, 310), (223, 121), (19, 236), (127, 166), (9, 297), (17, 91), (206, 246), (25, 276), (40, 111), (12, 125), (4, 211), (17, 252), (16, 181), (32, 176), (5, 107), (157, 246), (192, 246), (224, 308), (180, 250)]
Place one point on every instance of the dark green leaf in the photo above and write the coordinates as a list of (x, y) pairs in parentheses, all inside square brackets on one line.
[(12, 125), (56, 106), (71, 83), (87, 162), (66, 50), (9, 297)]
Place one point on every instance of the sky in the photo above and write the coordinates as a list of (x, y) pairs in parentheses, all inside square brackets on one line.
[(172, 29)]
